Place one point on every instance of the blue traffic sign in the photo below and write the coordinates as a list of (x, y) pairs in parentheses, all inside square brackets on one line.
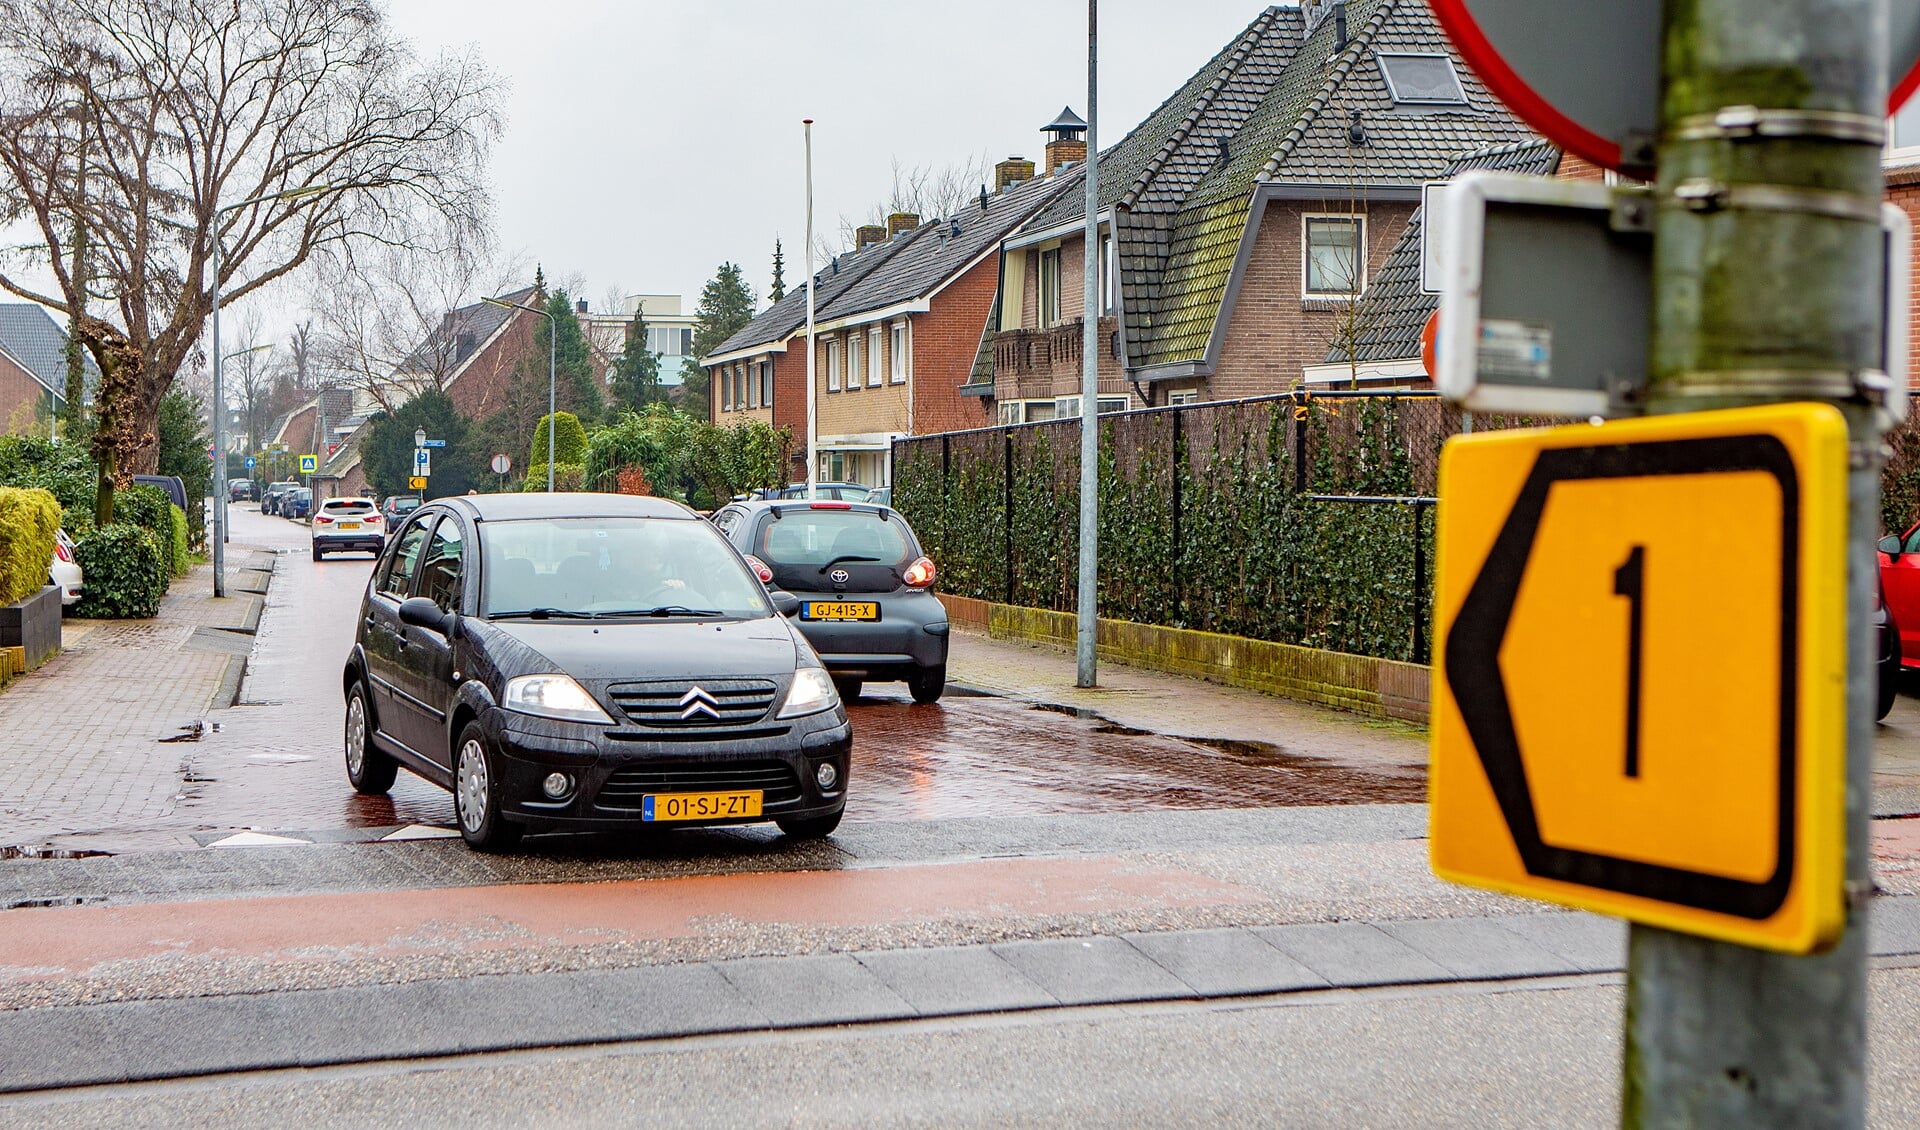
[(435, 443), (250, 462)]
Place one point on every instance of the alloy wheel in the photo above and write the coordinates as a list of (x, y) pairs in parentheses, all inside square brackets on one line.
[(356, 736)]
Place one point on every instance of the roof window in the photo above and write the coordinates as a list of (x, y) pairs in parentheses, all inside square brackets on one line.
[(1422, 80)]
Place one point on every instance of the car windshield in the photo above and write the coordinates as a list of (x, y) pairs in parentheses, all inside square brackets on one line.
[(805, 536), (614, 568)]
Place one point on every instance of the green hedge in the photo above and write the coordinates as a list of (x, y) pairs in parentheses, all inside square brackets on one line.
[(125, 573), (566, 476), (569, 443), (182, 563), (55, 465), (28, 519)]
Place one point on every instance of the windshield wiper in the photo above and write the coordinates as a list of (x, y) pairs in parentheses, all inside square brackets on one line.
[(659, 610), (846, 557), (541, 614)]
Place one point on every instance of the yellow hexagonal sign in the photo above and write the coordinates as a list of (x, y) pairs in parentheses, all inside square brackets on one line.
[(1640, 683)]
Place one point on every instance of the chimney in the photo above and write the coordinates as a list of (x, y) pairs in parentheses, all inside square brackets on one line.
[(868, 233), (1013, 170), (901, 221), (1066, 140), (1339, 25), (580, 307)]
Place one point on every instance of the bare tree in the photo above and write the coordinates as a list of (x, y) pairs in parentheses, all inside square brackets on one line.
[(311, 112), (927, 191), (386, 315)]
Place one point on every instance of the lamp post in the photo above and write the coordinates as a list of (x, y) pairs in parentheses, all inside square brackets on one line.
[(553, 337), (219, 392)]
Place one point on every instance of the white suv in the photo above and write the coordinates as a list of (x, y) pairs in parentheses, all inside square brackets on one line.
[(348, 523)]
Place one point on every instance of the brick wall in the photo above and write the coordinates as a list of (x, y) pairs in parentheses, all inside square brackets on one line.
[(945, 341), (1274, 332), (298, 432), (480, 389), (20, 396), (1579, 168), (1907, 196)]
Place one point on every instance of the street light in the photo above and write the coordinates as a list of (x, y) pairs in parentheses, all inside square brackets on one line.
[(219, 392), (553, 336)]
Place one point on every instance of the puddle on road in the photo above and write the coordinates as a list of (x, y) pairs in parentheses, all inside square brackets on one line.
[(22, 852)]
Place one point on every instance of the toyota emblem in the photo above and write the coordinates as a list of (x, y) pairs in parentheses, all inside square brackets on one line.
[(839, 576)]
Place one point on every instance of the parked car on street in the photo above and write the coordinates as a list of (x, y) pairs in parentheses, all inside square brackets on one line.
[(170, 485), (348, 524), (865, 587), (396, 508), (588, 661), (241, 490), (297, 503), (64, 572), (1887, 649), (270, 498)]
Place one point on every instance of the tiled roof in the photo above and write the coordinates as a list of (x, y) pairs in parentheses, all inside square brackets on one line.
[(480, 319), (1389, 317), (908, 266), (31, 336), (1273, 107)]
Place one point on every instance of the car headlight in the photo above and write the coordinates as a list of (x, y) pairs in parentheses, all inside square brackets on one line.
[(554, 696), (811, 693)]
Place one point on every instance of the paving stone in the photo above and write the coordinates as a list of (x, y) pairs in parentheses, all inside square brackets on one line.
[(1893, 926), (56, 1047), (804, 991), (166, 1039), (1586, 942), (673, 1000), (371, 1022), (953, 980), (1478, 949), (1093, 970), (1353, 954), (1226, 963)]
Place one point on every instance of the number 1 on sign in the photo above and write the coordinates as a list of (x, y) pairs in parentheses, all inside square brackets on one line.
[(1629, 581)]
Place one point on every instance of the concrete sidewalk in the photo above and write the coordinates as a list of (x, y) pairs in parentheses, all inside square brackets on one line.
[(86, 749)]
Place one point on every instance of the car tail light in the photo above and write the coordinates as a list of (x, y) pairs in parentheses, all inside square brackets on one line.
[(760, 569), (832, 506), (62, 552), (373, 518), (324, 520), (920, 573)]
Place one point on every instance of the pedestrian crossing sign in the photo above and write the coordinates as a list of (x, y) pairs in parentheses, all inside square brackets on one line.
[(309, 464)]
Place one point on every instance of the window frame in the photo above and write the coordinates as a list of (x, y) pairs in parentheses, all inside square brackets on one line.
[(460, 575), (424, 521), (875, 344), (1358, 222), (1050, 283), (1393, 88), (900, 362), (833, 363), (766, 383), (854, 362)]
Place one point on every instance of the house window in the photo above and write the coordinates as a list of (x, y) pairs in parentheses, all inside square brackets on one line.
[(853, 362), (1050, 287), (1010, 412), (873, 357), (899, 353), (753, 387), (726, 389), (1190, 396), (1038, 410), (833, 364), (766, 383), (1068, 407), (1422, 80), (1904, 131), (1109, 281), (1336, 257)]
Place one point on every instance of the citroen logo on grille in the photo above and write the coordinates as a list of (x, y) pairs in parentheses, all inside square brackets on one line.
[(839, 576), (697, 701)]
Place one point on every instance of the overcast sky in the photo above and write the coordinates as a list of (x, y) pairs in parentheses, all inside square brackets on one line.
[(649, 141)]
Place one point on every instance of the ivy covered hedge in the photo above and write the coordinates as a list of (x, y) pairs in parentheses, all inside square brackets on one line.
[(1206, 522), (126, 573)]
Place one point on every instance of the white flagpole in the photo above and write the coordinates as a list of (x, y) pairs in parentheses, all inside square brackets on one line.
[(813, 439)]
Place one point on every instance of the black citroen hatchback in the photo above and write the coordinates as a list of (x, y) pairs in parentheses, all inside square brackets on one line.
[(585, 662)]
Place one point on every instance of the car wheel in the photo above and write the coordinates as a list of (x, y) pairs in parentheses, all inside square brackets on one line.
[(476, 796), (317, 552), (849, 689), (811, 828), (370, 771), (927, 684), (1887, 689)]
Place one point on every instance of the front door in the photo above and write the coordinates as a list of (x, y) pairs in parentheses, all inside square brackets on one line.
[(426, 683)]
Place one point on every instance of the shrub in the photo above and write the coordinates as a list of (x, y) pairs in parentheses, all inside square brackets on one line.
[(147, 507), (182, 564), (126, 574), (28, 518), (569, 443), (566, 476), (56, 465)]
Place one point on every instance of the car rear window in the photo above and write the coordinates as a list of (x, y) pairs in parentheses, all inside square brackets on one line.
[(805, 546), (347, 506)]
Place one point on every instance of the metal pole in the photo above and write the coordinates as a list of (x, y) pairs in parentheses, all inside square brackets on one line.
[(1089, 614), (813, 438), (1779, 301), (219, 432)]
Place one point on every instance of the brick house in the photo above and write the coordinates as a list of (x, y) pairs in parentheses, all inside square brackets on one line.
[(1246, 215), (33, 366), (898, 328), (1903, 189)]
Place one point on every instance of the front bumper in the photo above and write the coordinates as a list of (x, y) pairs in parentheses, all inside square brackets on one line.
[(613, 767)]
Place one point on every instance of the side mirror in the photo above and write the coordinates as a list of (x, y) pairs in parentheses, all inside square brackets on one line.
[(422, 612), (785, 603), (1890, 545)]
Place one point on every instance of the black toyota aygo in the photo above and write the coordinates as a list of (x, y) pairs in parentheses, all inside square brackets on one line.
[(581, 662)]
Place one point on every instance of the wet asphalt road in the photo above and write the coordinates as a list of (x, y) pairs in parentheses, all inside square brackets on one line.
[(276, 764)]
